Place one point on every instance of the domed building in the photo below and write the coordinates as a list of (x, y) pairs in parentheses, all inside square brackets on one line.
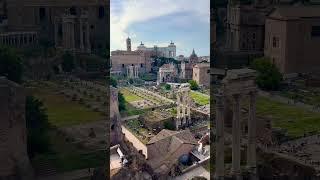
[(187, 67), (141, 47)]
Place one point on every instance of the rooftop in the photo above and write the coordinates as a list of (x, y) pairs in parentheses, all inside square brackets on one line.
[(295, 12)]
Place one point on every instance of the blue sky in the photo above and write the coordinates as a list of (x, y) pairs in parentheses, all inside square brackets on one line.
[(157, 22)]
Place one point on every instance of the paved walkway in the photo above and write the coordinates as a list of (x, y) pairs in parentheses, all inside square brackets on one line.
[(199, 171), (130, 118), (73, 175)]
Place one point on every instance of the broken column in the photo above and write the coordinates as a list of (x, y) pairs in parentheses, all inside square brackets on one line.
[(251, 150), (219, 140), (236, 136)]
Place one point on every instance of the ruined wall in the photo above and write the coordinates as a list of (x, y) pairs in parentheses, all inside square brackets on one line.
[(116, 136), (272, 166), (14, 161)]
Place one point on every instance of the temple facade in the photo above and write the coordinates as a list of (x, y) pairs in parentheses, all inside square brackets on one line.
[(68, 25)]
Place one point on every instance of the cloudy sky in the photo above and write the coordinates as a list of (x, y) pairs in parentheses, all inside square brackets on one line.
[(157, 22)]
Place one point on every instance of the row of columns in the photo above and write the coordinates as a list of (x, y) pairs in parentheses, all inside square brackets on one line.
[(236, 135), (68, 33), (133, 71), (19, 39), (183, 109)]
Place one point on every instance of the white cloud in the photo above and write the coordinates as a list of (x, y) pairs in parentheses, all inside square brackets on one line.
[(135, 11)]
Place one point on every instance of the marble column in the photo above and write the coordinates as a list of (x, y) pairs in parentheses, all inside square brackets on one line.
[(236, 135), (65, 34), (72, 36), (189, 115), (88, 45), (183, 120), (81, 35), (219, 139), (56, 34), (19, 40), (251, 150)]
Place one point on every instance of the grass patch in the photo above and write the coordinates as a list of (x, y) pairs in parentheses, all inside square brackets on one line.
[(295, 120), (130, 97), (209, 167), (200, 98), (63, 112), (65, 156), (131, 111)]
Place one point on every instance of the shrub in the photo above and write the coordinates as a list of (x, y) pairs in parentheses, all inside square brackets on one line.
[(269, 77)]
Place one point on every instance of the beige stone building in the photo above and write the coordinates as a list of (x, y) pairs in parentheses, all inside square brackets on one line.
[(245, 26), (292, 39), (168, 52), (201, 74), (186, 67), (167, 73), (69, 25), (121, 60)]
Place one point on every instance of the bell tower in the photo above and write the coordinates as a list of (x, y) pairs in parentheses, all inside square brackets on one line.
[(128, 44)]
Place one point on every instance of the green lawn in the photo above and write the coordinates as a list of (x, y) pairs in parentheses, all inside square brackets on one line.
[(65, 156), (295, 120), (200, 98), (63, 112), (130, 97), (131, 111)]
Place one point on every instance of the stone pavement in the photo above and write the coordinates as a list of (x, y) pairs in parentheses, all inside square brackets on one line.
[(73, 175), (199, 171)]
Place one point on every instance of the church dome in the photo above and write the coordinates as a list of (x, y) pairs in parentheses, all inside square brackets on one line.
[(141, 46)]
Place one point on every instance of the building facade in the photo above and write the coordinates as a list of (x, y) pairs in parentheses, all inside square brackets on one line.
[(168, 52), (201, 74), (187, 66), (68, 25), (293, 39), (167, 73), (121, 60), (129, 62), (245, 26)]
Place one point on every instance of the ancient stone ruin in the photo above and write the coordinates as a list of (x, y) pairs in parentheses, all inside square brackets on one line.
[(183, 106), (116, 136), (236, 85), (14, 160)]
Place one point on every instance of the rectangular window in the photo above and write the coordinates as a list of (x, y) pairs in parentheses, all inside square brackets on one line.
[(315, 31), (42, 13), (275, 42)]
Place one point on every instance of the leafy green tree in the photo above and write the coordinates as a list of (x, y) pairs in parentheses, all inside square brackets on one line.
[(68, 62), (113, 82), (167, 87), (37, 126), (193, 85), (122, 102), (131, 81), (10, 64), (169, 125), (269, 77)]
